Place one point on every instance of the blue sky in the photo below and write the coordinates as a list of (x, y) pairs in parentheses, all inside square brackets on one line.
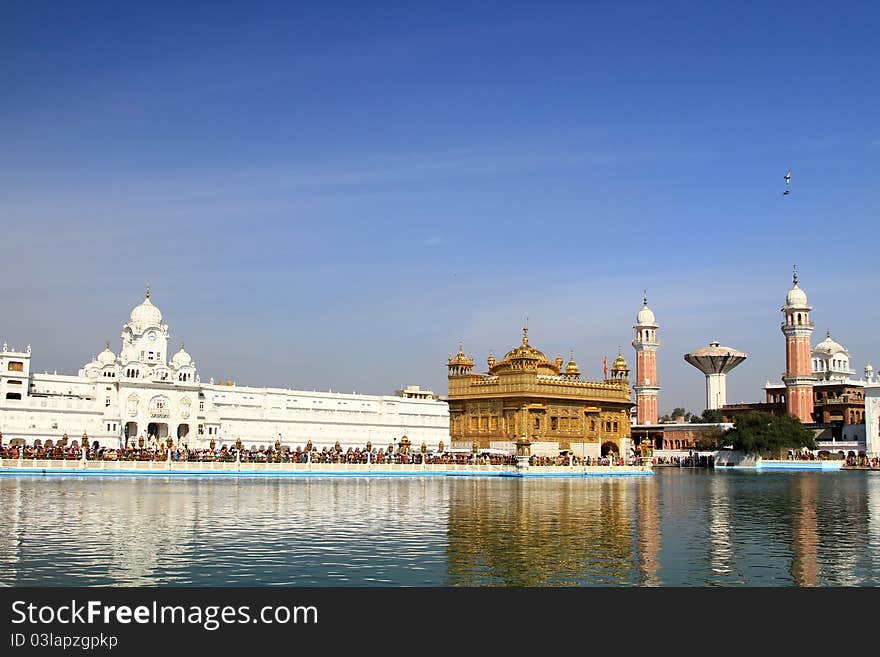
[(333, 195)]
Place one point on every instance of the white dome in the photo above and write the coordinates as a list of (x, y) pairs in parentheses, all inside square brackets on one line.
[(181, 358), (645, 316), (146, 314), (796, 297), (107, 357), (829, 346)]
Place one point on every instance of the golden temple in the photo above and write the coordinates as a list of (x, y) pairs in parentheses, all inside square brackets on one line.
[(526, 395)]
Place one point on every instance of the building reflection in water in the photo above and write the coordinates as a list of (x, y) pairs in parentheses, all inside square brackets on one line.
[(675, 528), (805, 534), (873, 523), (720, 546), (551, 532), (221, 532), (648, 529)]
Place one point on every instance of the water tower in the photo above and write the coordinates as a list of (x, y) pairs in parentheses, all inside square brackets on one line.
[(715, 362)]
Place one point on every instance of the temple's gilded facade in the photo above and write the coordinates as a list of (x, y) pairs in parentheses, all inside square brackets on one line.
[(526, 394)]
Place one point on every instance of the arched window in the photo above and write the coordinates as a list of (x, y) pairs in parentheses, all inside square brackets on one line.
[(799, 318), (15, 366)]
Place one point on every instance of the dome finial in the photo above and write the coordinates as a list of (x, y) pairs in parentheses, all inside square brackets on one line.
[(526, 332), (794, 276), (148, 290), (827, 333), (107, 345), (645, 297)]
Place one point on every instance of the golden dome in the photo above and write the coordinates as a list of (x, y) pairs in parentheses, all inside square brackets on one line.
[(491, 360), (460, 358), (525, 351), (572, 368), (460, 365), (619, 364), (526, 357)]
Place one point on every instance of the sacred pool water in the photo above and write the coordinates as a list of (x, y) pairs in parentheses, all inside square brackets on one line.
[(679, 527)]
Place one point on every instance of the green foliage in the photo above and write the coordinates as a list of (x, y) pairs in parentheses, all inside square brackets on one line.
[(710, 439), (758, 432), (678, 412), (711, 415)]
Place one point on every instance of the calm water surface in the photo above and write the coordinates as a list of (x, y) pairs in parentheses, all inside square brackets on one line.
[(677, 528)]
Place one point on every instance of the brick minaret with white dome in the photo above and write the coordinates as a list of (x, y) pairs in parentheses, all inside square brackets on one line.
[(646, 344), (799, 377)]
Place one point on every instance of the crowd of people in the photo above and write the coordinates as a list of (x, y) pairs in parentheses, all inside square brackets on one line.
[(581, 461), (692, 461), (862, 461), (352, 455)]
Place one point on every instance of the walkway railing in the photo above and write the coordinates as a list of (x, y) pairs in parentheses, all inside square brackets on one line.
[(219, 467)]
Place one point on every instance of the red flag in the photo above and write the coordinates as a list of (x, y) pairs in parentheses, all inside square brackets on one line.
[(605, 366)]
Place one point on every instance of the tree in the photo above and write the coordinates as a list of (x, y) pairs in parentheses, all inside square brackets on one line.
[(709, 416), (677, 412), (759, 432), (710, 439)]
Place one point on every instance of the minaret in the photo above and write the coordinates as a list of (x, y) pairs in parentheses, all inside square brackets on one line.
[(797, 329), (646, 344)]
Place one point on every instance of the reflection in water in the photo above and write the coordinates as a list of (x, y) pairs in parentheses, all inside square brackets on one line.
[(648, 528), (541, 532), (872, 549), (676, 528), (805, 538), (720, 546)]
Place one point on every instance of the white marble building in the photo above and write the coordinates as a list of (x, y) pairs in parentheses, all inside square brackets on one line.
[(142, 392), (872, 412)]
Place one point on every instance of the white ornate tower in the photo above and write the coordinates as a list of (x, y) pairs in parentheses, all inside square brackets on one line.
[(797, 329), (145, 336), (646, 344)]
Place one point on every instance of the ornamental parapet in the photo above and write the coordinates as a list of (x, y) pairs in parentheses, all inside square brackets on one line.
[(799, 380), (797, 329), (580, 390)]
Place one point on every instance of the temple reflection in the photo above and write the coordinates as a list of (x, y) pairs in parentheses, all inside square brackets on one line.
[(544, 533)]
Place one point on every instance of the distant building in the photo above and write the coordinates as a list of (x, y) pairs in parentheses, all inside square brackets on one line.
[(527, 395), (818, 385), (872, 413), (715, 362), (142, 396), (646, 386)]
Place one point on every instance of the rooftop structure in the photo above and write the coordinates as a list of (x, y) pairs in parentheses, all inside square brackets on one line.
[(715, 361)]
